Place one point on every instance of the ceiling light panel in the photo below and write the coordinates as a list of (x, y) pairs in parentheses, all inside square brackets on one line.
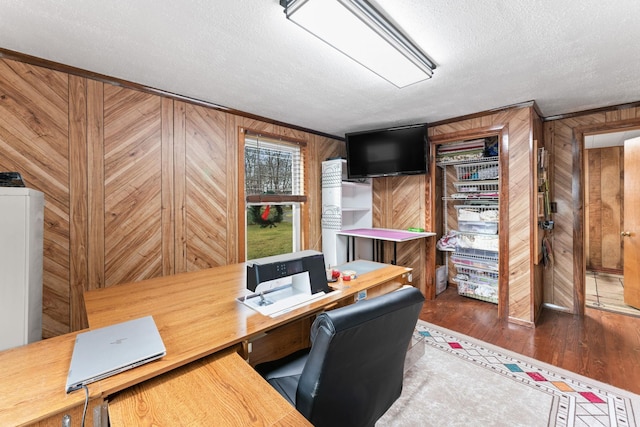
[(357, 30)]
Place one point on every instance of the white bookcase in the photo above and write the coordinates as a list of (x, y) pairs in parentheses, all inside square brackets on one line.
[(345, 205), (21, 257)]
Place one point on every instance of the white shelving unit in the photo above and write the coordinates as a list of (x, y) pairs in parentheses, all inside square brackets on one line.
[(345, 205), (475, 255), (21, 257)]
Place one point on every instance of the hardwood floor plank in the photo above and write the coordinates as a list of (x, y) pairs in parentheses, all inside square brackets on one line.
[(601, 345)]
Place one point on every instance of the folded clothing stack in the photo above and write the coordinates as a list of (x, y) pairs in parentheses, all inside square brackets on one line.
[(477, 214), (460, 151), (448, 242), (484, 242)]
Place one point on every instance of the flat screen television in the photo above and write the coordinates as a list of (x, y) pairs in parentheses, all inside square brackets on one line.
[(394, 151)]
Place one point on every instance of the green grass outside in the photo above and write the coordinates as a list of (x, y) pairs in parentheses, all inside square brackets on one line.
[(262, 242)]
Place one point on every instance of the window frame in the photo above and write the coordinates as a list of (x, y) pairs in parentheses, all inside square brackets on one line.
[(244, 201)]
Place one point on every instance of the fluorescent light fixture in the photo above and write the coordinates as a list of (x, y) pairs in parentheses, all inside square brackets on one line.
[(358, 30)]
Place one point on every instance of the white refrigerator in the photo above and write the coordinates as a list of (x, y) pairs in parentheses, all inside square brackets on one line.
[(21, 257)]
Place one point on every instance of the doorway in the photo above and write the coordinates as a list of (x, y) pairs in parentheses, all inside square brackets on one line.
[(604, 220)]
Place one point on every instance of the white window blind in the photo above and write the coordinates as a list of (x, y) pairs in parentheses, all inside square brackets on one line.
[(273, 170)]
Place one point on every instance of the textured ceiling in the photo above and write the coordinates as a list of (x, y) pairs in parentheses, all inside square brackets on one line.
[(568, 56)]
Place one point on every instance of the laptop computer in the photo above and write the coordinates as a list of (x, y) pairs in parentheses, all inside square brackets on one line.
[(104, 352)]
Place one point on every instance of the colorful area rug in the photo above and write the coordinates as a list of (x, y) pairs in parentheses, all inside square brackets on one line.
[(461, 381)]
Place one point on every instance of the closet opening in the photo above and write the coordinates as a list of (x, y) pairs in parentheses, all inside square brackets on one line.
[(471, 225)]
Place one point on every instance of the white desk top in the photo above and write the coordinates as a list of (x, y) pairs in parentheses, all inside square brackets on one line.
[(388, 234)]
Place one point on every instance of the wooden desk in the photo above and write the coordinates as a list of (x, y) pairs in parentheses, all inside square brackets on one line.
[(32, 384), (219, 390), (197, 315)]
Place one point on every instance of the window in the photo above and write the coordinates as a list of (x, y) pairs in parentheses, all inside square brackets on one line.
[(273, 194)]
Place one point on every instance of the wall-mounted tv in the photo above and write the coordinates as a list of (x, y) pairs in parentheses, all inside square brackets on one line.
[(394, 151)]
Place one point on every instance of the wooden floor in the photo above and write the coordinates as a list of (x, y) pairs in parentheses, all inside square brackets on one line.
[(601, 345)]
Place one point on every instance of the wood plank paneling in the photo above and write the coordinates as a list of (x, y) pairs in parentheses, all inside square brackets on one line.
[(233, 180), (34, 140), (399, 203), (180, 185), (132, 185), (79, 257), (536, 248), (560, 293), (604, 186), (136, 185), (94, 143), (612, 195), (378, 199), (206, 192), (593, 188), (168, 213), (53, 127), (565, 138), (406, 191), (520, 212)]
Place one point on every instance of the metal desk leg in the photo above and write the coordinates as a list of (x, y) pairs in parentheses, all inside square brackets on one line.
[(393, 261), (374, 251), (353, 249)]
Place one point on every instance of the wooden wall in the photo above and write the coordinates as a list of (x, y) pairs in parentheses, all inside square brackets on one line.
[(604, 218), (139, 185), (564, 137), (136, 185), (400, 203), (537, 267)]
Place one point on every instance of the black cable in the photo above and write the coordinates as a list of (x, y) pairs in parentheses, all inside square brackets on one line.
[(86, 403)]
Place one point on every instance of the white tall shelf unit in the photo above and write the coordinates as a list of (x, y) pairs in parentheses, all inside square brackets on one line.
[(346, 204), (21, 258), (475, 256)]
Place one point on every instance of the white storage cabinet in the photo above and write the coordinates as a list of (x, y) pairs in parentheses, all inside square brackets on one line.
[(21, 257)]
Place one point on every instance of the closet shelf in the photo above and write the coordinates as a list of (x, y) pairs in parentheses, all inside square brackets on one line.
[(472, 196), (356, 209), (477, 171), (481, 160), (478, 291), (471, 204)]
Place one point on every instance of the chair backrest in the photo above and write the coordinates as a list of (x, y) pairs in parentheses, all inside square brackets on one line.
[(355, 367)]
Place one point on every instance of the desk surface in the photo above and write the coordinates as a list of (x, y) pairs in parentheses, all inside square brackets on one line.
[(236, 395), (196, 313), (387, 234), (33, 378)]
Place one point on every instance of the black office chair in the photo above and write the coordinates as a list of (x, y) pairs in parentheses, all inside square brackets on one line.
[(353, 372)]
